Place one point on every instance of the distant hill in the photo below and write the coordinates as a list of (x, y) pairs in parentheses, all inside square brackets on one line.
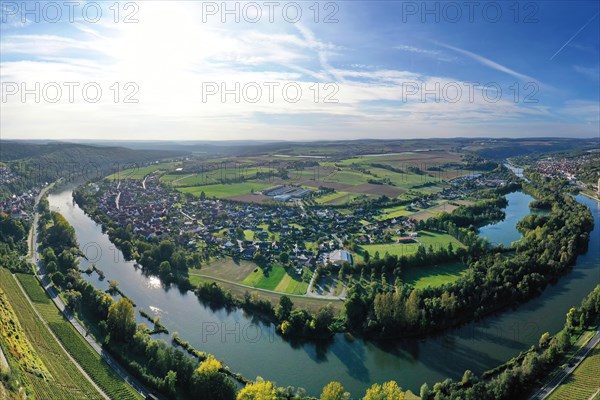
[(37, 163)]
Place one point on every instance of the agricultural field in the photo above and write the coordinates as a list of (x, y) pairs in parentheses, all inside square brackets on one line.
[(16, 341), (393, 212), (224, 191), (583, 383), (433, 211), (64, 380), (339, 198), (391, 175), (94, 365), (393, 249), (434, 275), (437, 240), (248, 273), (292, 284), (301, 301), (218, 175), (227, 269), (267, 279), (137, 172), (425, 238)]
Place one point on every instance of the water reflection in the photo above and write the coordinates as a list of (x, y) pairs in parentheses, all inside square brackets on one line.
[(231, 334)]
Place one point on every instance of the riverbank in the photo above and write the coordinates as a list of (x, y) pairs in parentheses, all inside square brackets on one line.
[(590, 196), (252, 347)]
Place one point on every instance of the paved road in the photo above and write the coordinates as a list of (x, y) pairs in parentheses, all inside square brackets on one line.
[(47, 285), (577, 359)]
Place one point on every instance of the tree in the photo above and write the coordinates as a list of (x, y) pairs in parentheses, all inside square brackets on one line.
[(467, 377), (334, 391), (259, 259), (424, 392), (324, 318), (283, 310), (387, 391), (121, 320), (366, 256), (164, 269), (412, 308), (284, 257), (58, 279), (259, 390), (165, 250), (113, 286), (208, 383), (545, 339), (73, 299), (572, 318)]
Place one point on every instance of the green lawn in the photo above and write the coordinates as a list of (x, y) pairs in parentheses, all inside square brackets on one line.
[(267, 281), (427, 238), (394, 249), (225, 190), (435, 275), (292, 284), (438, 239)]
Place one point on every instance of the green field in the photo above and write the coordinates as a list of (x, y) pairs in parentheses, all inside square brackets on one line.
[(65, 381), (268, 280), (394, 212), (218, 175), (94, 365), (331, 197), (435, 275), (426, 238), (139, 173), (226, 268), (347, 177), (292, 284), (438, 239), (225, 190), (393, 249), (583, 383)]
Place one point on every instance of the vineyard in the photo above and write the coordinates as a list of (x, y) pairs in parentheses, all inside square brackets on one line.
[(95, 366), (583, 383), (64, 381)]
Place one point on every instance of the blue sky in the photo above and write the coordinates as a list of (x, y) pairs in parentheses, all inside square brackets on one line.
[(501, 69)]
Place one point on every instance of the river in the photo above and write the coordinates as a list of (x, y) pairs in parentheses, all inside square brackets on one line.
[(253, 349)]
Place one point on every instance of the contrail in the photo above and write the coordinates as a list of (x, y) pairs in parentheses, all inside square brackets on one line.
[(573, 37)]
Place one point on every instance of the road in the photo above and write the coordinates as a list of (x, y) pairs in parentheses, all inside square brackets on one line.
[(577, 359), (47, 285)]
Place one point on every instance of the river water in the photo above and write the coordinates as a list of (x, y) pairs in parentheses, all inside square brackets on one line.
[(253, 349)]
